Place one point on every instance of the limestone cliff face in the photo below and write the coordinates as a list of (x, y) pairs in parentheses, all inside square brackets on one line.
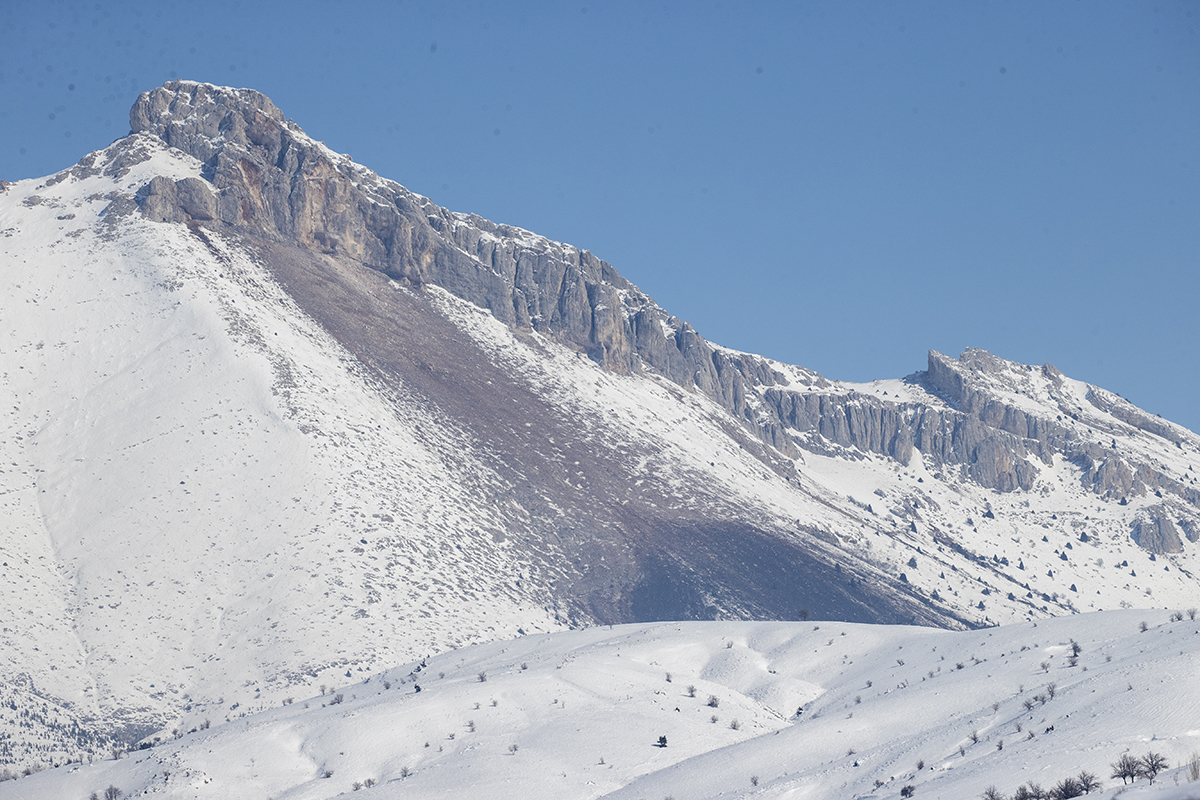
[(980, 417), (266, 176), (998, 421), (1156, 532), (992, 440)]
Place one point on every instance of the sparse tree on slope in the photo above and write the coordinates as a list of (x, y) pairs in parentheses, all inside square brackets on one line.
[(1126, 768), (1150, 765), (1088, 781), (1066, 789)]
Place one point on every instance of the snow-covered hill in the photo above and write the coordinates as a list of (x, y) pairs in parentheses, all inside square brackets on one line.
[(764, 710), (271, 421)]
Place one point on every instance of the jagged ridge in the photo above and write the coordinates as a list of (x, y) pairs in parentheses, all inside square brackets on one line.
[(267, 176)]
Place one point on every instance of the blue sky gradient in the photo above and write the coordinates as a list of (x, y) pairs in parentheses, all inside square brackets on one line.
[(837, 185)]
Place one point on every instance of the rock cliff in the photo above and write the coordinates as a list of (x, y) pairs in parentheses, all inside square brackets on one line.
[(266, 176)]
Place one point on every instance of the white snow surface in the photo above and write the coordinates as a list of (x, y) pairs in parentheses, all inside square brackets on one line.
[(579, 714), (203, 499)]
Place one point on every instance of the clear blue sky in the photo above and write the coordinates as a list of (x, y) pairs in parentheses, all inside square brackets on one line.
[(838, 185)]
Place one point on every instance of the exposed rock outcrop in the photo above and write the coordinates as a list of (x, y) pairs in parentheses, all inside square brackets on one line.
[(269, 178), (1156, 533)]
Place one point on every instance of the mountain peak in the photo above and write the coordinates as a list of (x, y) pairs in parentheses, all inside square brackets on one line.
[(188, 114), (268, 180)]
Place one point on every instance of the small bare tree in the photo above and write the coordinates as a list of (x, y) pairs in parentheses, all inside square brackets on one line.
[(1150, 765), (1087, 781), (1126, 768), (1066, 789)]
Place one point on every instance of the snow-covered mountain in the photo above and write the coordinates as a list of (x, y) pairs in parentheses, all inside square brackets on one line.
[(272, 422)]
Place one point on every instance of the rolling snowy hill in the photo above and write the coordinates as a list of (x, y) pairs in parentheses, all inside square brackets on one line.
[(765, 710), (271, 421)]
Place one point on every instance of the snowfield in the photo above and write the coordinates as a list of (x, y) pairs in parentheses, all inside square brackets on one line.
[(763, 710)]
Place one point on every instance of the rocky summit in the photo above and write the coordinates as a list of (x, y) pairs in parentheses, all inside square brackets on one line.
[(272, 421)]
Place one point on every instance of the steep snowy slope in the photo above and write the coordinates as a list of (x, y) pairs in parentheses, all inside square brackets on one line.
[(271, 421), (765, 710), (201, 497)]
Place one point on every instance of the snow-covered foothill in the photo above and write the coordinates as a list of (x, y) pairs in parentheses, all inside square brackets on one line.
[(764, 710)]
